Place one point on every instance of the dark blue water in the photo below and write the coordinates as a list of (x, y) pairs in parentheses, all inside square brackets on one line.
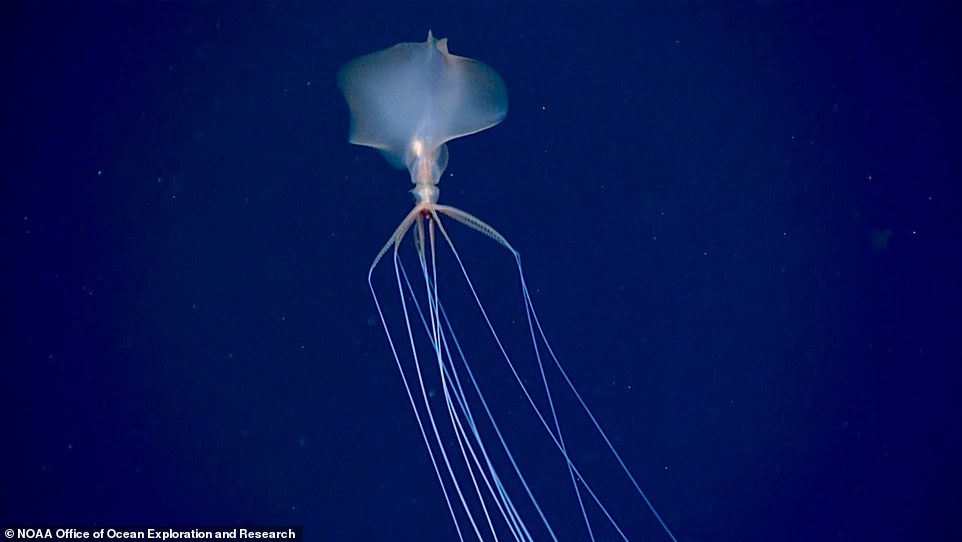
[(742, 225)]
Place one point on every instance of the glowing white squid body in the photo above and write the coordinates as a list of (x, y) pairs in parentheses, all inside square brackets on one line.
[(407, 102)]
